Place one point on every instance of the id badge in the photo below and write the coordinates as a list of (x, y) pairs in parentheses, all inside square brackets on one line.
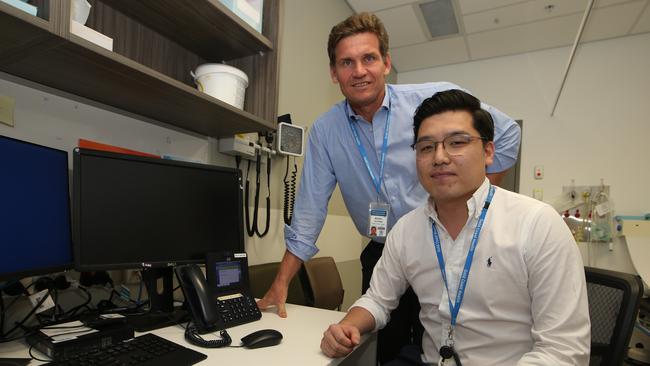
[(378, 219)]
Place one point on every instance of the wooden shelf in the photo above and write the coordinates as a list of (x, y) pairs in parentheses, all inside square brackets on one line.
[(30, 48), (206, 27), (21, 33)]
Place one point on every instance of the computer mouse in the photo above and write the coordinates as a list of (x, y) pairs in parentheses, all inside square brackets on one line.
[(262, 338)]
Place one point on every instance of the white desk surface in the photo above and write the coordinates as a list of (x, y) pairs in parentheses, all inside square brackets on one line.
[(302, 331)]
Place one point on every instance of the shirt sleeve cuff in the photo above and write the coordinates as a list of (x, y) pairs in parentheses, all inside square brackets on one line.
[(377, 312), (300, 249)]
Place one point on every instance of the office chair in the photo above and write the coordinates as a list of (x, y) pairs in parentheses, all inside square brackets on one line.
[(614, 299), (324, 288), (261, 277)]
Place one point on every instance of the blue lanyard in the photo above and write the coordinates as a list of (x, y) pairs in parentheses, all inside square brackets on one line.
[(468, 261), (376, 180)]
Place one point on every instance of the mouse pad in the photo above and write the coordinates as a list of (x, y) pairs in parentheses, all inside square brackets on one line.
[(14, 361)]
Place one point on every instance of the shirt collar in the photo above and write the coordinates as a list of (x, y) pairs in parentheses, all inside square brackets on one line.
[(352, 116), (474, 203)]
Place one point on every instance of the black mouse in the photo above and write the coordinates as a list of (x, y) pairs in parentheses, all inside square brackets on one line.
[(262, 338)]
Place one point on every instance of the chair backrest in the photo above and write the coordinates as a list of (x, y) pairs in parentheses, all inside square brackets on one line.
[(325, 289), (614, 299), (261, 277)]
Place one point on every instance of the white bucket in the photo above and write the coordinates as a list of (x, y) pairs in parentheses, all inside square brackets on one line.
[(223, 82)]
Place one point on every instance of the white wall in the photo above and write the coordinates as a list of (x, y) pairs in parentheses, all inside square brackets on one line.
[(601, 127)]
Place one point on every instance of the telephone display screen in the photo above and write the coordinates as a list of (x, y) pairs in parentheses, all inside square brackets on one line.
[(228, 273)]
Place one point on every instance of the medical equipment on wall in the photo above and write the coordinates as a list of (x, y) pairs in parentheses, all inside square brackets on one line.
[(251, 224), (290, 144), (587, 211), (258, 149)]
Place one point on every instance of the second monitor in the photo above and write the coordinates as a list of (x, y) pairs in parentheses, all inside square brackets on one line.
[(132, 212)]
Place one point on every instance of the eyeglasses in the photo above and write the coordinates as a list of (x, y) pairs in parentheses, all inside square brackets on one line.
[(454, 145)]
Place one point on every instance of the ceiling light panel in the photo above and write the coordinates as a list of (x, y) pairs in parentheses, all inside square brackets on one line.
[(643, 24), (613, 21), (556, 32), (375, 5), (602, 3), (473, 6), (520, 14), (403, 26)]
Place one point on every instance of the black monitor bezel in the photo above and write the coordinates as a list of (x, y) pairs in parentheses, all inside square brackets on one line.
[(9, 276), (76, 204)]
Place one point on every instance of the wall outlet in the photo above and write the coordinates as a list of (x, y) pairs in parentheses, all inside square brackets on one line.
[(7, 110)]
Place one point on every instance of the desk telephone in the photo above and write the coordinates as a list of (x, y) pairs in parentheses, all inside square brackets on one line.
[(221, 301)]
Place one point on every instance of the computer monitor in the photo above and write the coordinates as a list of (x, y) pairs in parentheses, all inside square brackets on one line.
[(151, 214), (35, 234)]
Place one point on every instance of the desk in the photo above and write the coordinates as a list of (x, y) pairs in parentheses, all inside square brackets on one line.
[(302, 331)]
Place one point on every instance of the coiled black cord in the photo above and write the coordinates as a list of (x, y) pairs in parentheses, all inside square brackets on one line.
[(289, 191), (192, 335)]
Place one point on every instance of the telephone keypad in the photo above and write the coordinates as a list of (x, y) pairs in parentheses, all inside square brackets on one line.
[(238, 310)]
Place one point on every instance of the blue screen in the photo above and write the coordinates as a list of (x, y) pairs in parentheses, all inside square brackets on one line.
[(35, 235)]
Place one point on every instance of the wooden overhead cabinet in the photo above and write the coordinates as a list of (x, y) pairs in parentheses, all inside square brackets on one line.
[(156, 43)]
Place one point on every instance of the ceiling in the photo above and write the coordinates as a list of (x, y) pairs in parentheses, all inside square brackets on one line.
[(492, 28)]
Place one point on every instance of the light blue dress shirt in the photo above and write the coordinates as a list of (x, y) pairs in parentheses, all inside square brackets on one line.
[(332, 157)]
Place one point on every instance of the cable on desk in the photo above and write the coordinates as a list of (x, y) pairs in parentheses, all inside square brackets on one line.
[(22, 322), (34, 357), (74, 310), (25, 292)]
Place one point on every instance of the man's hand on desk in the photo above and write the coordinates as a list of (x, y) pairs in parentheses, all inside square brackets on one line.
[(275, 296), (339, 340)]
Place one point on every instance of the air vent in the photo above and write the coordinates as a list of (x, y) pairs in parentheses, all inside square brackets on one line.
[(439, 17)]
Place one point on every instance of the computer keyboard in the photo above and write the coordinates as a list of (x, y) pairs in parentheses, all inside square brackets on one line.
[(144, 350), (237, 309)]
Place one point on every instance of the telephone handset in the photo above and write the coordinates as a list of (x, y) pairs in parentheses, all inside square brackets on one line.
[(201, 302)]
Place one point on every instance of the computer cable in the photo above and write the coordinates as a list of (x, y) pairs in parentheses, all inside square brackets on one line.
[(20, 324), (34, 357), (74, 310)]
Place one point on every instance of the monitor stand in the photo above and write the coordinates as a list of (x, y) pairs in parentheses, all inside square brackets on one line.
[(161, 302)]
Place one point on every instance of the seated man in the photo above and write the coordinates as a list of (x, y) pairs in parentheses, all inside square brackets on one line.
[(499, 276)]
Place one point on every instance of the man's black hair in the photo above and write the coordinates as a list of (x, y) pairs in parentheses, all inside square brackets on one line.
[(455, 100)]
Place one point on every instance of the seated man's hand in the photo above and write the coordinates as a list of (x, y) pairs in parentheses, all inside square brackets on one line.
[(275, 296), (339, 340)]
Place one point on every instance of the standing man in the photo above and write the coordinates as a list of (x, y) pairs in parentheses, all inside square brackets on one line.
[(499, 277), (363, 145)]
